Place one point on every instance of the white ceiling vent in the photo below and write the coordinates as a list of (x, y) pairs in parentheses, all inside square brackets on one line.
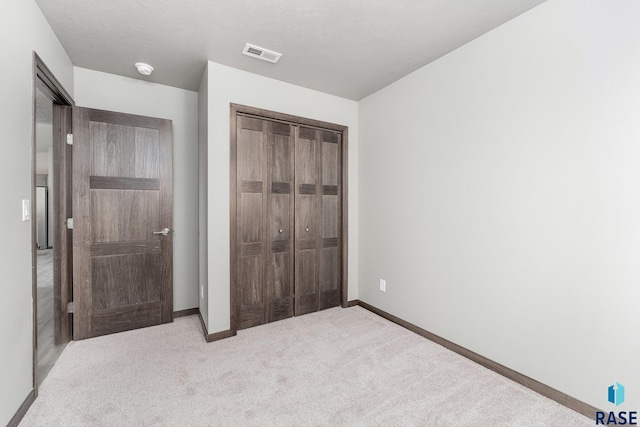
[(260, 53)]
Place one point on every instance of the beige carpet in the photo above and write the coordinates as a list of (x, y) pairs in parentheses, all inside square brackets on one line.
[(338, 367)]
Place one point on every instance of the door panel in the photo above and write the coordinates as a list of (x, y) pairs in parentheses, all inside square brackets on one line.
[(287, 256), (281, 155), (121, 215), (330, 224), (281, 294), (330, 159), (122, 180), (330, 262), (251, 218), (265, 220), (329, 296), (250, 149), (62, 237), (306, 216), (252, 179), (125, 280), (147, 153), (306, 164), (280, 217), (308, 210), (306, 284), (252, 280), (112, 153)]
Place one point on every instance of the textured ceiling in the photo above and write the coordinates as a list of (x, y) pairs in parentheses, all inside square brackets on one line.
[(349, 48)]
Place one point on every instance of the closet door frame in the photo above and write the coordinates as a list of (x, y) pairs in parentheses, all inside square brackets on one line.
[(237, 109)]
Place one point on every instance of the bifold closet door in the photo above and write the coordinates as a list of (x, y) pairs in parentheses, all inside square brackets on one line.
[(280, 214), (264, 220), (331, 254), (317, 216)]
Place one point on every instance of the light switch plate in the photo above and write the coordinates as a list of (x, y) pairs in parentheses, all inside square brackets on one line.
[(26, 210), (383, 285)]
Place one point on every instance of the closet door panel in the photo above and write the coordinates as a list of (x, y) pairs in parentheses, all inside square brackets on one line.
[(330, 264), (280, 267), (281, 153), (330, 226), (329, 285), (288, 219), (306, 287), (251, 290), (250, 149), (280, 229), (306, 218), (308, 206), (330, 296), (251, 218), (330, 159), (281, 304), (306, 164), (280, 274), (251, 183)]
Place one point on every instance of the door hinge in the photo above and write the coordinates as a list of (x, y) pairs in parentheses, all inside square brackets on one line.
[(70, 307), (69, 223), (69, 139)]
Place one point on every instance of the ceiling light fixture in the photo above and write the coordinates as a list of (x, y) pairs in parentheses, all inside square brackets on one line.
[(144, 69), (260, 53)]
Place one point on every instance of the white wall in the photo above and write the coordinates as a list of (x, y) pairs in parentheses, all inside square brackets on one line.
[(203, 136), (43, 159), (499, 197), (116, 93), (228, 85), (23, 29)]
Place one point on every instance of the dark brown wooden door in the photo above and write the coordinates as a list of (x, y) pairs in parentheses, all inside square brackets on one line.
[(287, 220), (317, 213), (280, 221), (308, 210), (62, 237), (122, 184), (265, 220), (252, 186), (330, 280)]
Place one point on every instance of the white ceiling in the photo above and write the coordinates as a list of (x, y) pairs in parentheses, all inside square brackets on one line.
[(349, 48)]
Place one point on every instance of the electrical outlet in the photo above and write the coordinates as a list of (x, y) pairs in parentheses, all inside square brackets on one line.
[(201, 291), (383, 285)]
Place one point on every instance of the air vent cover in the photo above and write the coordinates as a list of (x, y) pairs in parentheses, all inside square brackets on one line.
[(260, 53)]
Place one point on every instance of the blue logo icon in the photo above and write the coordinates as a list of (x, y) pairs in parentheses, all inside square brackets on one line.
[(616, 394)]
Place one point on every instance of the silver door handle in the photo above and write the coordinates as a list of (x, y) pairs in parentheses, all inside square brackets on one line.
[(164, 231), (306, 229)]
